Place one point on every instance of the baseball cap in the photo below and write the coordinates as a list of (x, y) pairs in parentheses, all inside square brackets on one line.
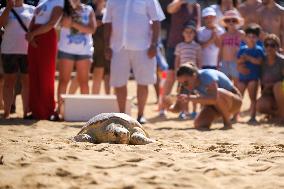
[(209, 11)]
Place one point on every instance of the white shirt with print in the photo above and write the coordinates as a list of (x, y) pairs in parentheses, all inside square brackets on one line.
[(74, 42), (44, 10), (131, 22), (13, 40)]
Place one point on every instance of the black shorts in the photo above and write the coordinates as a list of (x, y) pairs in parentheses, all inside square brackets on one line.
[(14, 63)]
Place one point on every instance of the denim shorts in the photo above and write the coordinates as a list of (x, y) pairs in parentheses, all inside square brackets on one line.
[(229, 68), (74, 57)]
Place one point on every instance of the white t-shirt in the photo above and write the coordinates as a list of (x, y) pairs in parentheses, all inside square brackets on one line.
[(13, 40), (210, 53), (44, 10), (74, 42)]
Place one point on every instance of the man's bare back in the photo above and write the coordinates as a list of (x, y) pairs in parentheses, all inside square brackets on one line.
[(271, 18), (248, 10)]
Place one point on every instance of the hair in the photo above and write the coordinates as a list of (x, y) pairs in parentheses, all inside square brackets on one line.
[(188, 69), (274, 38), (67, 9), (253, 29), (235, 3)]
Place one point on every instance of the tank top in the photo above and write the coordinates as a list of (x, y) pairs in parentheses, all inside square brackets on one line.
[(178, 20), (75, 42)]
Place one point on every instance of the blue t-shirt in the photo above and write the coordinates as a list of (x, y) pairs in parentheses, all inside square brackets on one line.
[(256, 52), (208, 76)]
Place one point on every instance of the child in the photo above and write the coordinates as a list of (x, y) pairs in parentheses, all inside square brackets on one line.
[(230, 44), (250, 58), (187, 51), (209, 38)]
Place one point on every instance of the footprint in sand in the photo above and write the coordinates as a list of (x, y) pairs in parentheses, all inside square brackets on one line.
[(62, 173), (45, 159)]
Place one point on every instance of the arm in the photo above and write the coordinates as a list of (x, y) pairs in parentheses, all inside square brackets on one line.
[(199, 58), (174, 6), (209, 99), (220, 54), (55, 15), (253, 60), (152, 51), (177, 63), (107, 35), (198, 9), (90, 28), (5, 15)]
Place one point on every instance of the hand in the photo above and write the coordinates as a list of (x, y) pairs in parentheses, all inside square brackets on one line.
[(66, 21), (108, 53), (183, 98), (30, 36), (33, 44), (10, 4), (152, 51), (243, 69)]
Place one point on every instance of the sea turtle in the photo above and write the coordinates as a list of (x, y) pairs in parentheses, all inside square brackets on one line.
[(118, 128)]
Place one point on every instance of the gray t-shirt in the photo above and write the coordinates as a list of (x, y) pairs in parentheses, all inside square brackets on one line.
[(272, 73)]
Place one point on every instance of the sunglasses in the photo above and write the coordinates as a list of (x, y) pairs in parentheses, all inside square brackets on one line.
[(272, 45), (231, 20)]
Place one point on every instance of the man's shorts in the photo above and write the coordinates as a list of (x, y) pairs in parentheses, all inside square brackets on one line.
[(144, 68), (13, 63), (74, 57), (229, 68)]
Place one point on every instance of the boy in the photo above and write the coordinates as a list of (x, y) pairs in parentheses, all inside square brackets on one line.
[(187, 51), (209, 38), (250, 58)]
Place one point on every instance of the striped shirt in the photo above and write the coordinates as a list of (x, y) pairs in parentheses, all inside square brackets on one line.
[(188, 52)]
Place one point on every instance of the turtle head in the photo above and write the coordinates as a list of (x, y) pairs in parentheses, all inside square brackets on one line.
[(118, 134)]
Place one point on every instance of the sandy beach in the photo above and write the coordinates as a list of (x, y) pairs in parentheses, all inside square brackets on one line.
[(40, 154)]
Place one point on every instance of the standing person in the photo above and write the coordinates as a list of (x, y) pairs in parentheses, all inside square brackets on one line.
[(14, 52), (188, 51), (209, 38), (101, 65), (230, 44), (271, 19), (41, 56), (222, 6), (131, 47), (250, 58), (182, 12), (75, 48), (248, 10), (272, 80), (217, 94)]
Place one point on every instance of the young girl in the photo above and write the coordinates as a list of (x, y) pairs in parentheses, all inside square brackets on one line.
[(230, 44), (187, 51), (76, 47)]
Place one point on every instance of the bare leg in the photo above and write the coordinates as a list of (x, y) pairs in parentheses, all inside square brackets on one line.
[(265, 105), (8, 92), (205, 118), (121, 95), (106, 84), (65, 69), (252, 91), (157, 87), (74, 85), (170, 80), (83, 67), (98, 75), (25, 93), (1, 92), (142, 95), (278, 91)]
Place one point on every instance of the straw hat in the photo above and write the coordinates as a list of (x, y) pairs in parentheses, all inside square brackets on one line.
[(232, 14)]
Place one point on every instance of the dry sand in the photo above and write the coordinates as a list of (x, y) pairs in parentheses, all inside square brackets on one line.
[(40, 155)]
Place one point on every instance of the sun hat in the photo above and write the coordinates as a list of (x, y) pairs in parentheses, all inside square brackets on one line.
[(209, 11), (232, 14)]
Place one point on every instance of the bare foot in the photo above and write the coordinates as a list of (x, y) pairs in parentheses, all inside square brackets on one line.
[(6, 115)]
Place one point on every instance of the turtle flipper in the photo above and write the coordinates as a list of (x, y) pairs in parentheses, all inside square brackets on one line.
[(138, 138), (84, 138)]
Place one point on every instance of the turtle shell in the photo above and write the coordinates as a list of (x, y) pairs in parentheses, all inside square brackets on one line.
[(121, 118)]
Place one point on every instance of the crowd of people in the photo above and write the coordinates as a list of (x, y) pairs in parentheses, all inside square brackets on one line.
[(215, 53)]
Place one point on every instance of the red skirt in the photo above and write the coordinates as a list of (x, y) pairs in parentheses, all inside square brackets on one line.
[(42, 74)]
